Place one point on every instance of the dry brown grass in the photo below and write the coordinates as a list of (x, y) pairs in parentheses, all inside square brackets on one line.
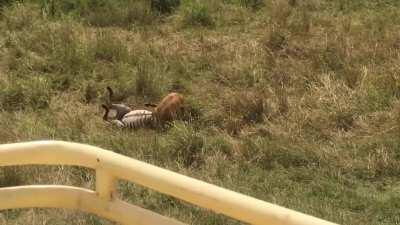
[(296, 102)]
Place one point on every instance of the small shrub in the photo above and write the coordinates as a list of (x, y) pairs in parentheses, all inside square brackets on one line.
[(91, 93), (186, 143), (9, 176), (80, 175), (10, 98), (276, 40), (49, 48), (293, 3), (147, 84), (333, 59), (38, 95), (222, 143), (106, 16), (255, 111), (61, 82), (70, 53), (283, 103), (271, 154), (352, 76), (323, 126), (397, 115), (301, 23), (139, 13), (281, 12), (375, 99), (253, 4), (344, 120), (101, 13), (233, 126), (56, 8), (251, 107), (240, 110), (198, 15), (121, 78), (109, 48), (123, 14), (280, 80), (192, 110), (93, 220), (21, 94), (4, 3), (21, 16), (165, 6)]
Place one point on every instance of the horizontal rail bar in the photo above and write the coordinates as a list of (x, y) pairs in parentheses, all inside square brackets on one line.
[(58, 196), (197, 192)]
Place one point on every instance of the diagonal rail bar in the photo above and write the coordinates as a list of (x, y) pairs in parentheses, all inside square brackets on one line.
[(109, 166), (58, 196)]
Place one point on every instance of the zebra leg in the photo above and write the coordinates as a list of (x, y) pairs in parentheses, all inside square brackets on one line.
[(117, 123)]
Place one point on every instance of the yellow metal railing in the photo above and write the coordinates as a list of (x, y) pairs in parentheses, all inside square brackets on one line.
[(110, 166)]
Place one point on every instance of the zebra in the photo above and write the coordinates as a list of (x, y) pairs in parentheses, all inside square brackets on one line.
[(133, 119), (124, 117)]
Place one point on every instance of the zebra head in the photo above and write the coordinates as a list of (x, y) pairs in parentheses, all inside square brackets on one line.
[(115, 111)]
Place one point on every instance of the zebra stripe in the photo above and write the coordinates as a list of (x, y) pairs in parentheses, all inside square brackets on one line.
[(117, 123), (136, 119), (120, 110)]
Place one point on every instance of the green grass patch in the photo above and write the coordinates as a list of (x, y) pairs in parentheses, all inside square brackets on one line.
[(292, 102)]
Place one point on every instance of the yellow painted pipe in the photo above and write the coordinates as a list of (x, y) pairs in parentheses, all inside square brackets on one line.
[(235, 205), (57, 196)]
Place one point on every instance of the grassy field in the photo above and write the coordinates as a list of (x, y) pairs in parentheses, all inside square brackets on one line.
[(293, 102)]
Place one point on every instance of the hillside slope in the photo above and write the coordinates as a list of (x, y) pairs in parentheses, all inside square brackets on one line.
[(293, 102)]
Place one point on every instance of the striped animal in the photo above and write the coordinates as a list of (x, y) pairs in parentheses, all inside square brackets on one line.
[(133, 119), (122, 116), (113, 110)]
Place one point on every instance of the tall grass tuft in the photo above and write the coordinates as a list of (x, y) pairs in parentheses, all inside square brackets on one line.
[(165, 6), (149, 80), (21, 16), (108, 47), (186, 145), (301, 93), (198, 14), (253, 4), (9, 176), (250, 106), (102, 13), (30, 94)]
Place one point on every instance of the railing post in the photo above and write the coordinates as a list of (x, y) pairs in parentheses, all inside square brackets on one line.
[(105, 184)]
